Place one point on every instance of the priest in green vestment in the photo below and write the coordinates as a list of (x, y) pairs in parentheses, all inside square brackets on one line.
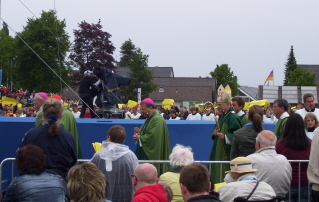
[(67, 122), (280, 108), (226, 125), (238, 103), (152, 138)]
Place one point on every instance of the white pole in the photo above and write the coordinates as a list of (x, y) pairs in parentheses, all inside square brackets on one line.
[(139, 95)]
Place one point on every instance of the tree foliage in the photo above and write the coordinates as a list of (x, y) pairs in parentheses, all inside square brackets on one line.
[(127, 50), (141, 77), (7, 55), (300, 77), (92, 47), (224, 77), (33, 73), (291, 65)]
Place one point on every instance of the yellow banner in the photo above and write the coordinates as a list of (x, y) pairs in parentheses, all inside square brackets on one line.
[(9, 101)]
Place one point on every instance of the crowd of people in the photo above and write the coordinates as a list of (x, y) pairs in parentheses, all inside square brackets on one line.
[(259, 169)]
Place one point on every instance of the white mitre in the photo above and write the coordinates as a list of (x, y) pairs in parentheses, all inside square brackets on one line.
[(223, 95)]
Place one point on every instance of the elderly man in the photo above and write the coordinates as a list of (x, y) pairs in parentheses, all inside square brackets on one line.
[(272, 168), (117, 162), (145, 184), (309, 102), (227, 124), (152, 138), (195, 184), (180, 157), (38, 102), (246, 185), (238, 103), (280, 108)]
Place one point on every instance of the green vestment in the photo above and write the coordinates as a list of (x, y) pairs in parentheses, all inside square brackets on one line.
[(244, 119), (68, 123), (155, 141), (229, 122), (279, 128)]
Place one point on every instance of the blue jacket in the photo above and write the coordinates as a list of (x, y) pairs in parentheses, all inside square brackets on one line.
[(43, 187)]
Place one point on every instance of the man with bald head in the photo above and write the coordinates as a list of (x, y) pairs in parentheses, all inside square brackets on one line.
[(145, 184), (273, 168)]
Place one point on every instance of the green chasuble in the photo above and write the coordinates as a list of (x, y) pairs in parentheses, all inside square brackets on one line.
[(68, 123), (244, 119), (279, 128), (229, 122), (155, 143)]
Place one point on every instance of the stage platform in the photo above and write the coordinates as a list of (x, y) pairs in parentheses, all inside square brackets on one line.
[(196, 134)]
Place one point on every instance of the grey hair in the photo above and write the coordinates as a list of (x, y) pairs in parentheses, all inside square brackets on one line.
[(264, 141), (181, 156), (39, 97)]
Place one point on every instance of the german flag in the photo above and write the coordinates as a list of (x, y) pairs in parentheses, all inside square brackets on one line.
[(270, 77)]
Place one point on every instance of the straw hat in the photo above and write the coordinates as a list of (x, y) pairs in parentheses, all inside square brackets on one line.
[(241, 165)]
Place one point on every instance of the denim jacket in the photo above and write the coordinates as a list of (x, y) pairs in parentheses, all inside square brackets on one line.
[(43, 187)]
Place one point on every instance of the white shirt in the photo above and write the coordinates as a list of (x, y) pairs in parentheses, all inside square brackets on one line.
[(197, 116), (240, 113), (135, 116), (76, 114), (176, 118), (127, 115), (311, 134), (210, 117), (272, 119), (303, 112)]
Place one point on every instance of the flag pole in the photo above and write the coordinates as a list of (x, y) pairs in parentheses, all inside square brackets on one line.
[(273, 80)]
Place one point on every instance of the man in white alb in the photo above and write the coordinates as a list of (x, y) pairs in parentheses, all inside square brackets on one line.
[(309, 103)]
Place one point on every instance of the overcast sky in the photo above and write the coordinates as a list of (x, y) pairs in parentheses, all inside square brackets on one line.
[(252, 37)]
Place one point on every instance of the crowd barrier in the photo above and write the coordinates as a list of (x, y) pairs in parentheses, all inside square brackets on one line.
[(208, 163)]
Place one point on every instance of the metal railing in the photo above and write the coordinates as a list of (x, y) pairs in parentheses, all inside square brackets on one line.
[(209, 163)]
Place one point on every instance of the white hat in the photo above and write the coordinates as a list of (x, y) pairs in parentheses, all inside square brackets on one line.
[(223, 95), (87, 72)]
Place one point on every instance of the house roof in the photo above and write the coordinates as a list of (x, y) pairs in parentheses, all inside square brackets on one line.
[(184, 89), (251, 92), (157, 71)]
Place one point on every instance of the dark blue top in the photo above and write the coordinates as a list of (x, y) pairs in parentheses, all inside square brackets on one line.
[(60, 150)]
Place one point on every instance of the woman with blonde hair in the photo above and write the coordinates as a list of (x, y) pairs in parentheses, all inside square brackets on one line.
[(57, 143), (243, 142), (86, 183), (311, 124)]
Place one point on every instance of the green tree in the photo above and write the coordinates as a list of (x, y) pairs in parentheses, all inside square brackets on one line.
[(7, 56), (33, 73), (141, 77), (300, 77), (127, 50), (224, 77), (291, 65), (92, 47)]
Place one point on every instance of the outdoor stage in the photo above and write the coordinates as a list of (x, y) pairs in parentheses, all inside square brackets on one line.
[(196, 134)]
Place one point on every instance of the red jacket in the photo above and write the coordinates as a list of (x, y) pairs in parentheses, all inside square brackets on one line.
[(154, 193)]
